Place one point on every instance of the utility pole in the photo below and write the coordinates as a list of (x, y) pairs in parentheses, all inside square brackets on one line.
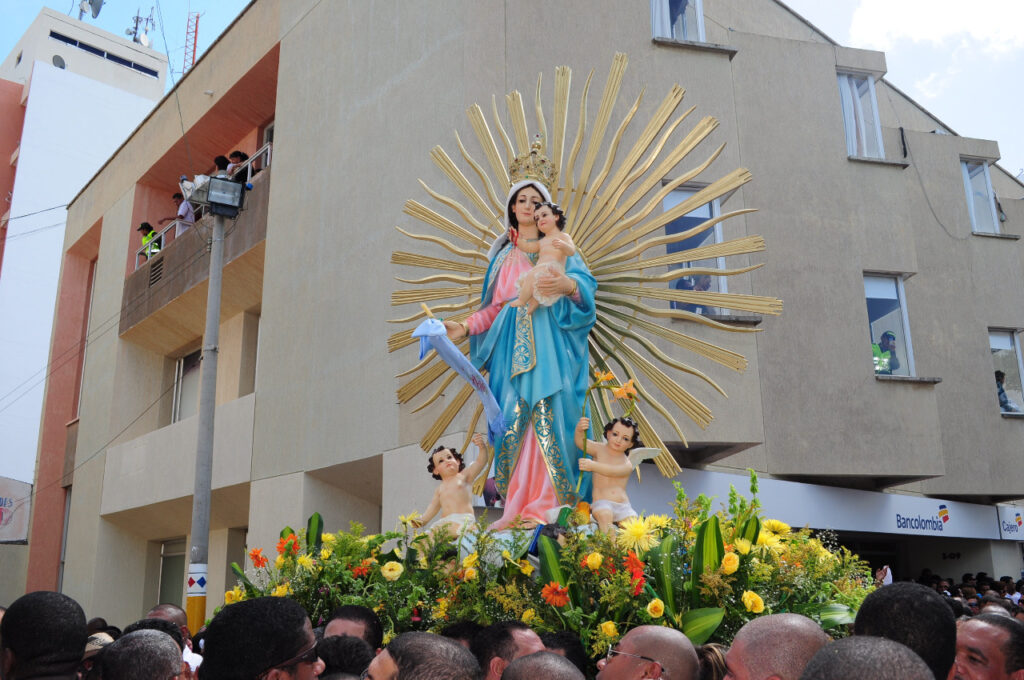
[(199, 554)]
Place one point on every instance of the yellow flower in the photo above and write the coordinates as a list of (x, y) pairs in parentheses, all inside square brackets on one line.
[(635, 535), (767, 538), (525, 567), (608, 629), (776, 527), (742, 546), (388, 637), (234, 595), (730, 563), (594, 561), (753, 602), (505, 554), (655, 608), (528, 616), (470, 560), (469, 574), (306, 562), (282, 590), (325, 553), (279, 562), (391, 570), (328, 539), (441, 610), (406, 520), (658, 521)]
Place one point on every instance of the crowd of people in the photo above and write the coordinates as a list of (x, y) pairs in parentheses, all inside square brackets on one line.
[(902, 631)]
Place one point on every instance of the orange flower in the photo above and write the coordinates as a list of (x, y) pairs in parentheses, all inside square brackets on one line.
[(289, 542), (583, 511), (604, 377), (258, 560), (363, 569), (555, 595), (627, 391)]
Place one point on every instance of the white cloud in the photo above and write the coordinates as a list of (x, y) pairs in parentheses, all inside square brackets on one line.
[(993, 26)]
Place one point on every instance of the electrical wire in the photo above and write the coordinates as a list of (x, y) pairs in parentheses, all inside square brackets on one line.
[(18, 217)]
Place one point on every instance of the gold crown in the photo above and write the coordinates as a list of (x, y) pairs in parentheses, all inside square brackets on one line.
[(533, 166)]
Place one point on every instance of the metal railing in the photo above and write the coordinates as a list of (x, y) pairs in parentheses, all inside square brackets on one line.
[(263, 152), (147, 251)]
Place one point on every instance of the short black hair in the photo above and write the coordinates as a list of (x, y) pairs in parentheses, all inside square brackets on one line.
[(456, 454), (496, 640), (913, 615), (372, 630), (463, 629), (98, 623), (221, 162), (865, 656), (425, 656), (628, 422), (144, 654), (250, 637), (162, 625), (344, 654), (570, 644), (242, 156), (45, 632), (1013, 650), (547, 665), (178, 194)]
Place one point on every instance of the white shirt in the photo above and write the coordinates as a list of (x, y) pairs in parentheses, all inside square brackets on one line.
[(185, 214)]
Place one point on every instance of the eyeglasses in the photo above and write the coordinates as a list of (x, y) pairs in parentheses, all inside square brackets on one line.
[(612, 652), (307, 655)]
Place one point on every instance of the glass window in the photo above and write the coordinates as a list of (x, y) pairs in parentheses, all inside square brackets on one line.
[(708, 237), (678, 19), (887, 325), (1006, 362), (172, 571), (186, 387), (981, 202), (860, 115)]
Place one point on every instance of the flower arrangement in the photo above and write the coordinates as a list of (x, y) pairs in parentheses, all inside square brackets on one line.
[(705, 573)]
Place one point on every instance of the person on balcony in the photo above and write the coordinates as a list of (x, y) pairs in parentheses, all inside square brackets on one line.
[(150, 240), (185, 216)]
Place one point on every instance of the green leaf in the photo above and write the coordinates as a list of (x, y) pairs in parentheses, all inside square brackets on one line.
[(832, 615), (708, 552), (550, 566), (700, 624), (751, 530), (663, 562), (286, 531), (314, 530), (250, 589)]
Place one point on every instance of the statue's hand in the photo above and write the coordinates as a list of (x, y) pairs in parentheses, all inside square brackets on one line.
[(455, 330), (586, 465), (553, 284)]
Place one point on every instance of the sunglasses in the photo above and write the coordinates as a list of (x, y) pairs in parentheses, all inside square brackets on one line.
[(612, 652)]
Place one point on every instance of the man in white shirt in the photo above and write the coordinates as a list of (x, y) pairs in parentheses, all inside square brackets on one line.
[(186, 216)]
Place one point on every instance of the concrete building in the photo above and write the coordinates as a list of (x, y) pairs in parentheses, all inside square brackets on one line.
[(69, 96), (877, 216)]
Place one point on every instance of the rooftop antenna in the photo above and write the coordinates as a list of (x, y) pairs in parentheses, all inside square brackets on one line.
[(191, 37), (137, 34), (93, 6)]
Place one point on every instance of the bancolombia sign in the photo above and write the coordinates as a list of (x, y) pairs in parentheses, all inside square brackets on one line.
[(14, 507), (1011, 522)]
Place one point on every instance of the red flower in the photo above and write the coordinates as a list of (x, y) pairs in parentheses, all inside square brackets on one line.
[(289, 542), (363, 569), (636, 572), (555, 595), (258, 560)]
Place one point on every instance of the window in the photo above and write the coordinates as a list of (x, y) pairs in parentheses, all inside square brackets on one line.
[(186, 387), (981, 204), (172, 571), (708, 237), (1006, 362), (678, 19), (889, 332), (860, 115)]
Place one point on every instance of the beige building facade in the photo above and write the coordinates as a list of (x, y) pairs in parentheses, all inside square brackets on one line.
[(866, 201)]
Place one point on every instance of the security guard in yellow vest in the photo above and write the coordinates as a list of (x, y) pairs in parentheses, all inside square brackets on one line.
[(150, 240), (884, 352)]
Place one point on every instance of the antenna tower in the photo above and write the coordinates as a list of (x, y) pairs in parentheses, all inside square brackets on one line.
[(191, 36)]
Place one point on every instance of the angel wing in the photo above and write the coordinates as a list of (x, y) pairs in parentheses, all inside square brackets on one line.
[(613, 220)]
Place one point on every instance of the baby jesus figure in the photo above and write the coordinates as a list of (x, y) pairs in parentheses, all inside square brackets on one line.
[(453, 497), (550, 220), (610, 467)]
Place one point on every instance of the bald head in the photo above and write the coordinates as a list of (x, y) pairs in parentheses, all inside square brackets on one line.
[(646, 646), (863, 656), (774, 646), (546, 665)]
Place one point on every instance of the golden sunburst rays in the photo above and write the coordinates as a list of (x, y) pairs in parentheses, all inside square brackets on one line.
[(613, 199)]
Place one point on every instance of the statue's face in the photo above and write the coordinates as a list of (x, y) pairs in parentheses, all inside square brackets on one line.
[(620, 437), (445, 463), (525, 203), (547, 221)]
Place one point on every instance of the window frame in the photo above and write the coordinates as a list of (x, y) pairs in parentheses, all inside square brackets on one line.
[(1015, 342), (660, 17), (179, 374), (901, 299), (969, 194), (842, 80), (715, 209)]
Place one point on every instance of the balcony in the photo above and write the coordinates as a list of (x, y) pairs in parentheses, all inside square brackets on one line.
[(164, 303)]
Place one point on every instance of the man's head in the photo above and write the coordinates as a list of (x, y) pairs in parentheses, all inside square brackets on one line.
[(174, 614), (267, 637), (499, 644), (568, 644), (989, 648), (650, 652), (913, 615), (221, 162), (42, 633), (358, 621), (776, 646), (887, 341), (423, 656), (860, 657), (144, 654), (178, 198), (145, 228), (1000, 377), (98, 623), (547, 665), (162, 625), (462, 631), (344, 654)]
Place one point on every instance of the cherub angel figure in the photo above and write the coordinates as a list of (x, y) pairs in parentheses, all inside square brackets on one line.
[(453, 497), (553, 247), (612, 463)]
